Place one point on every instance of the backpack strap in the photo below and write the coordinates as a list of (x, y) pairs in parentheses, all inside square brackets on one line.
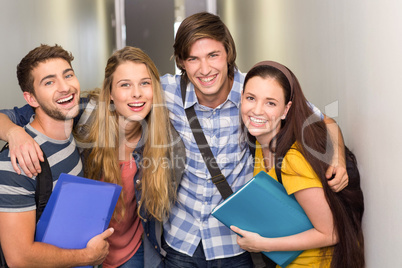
[(217, 177), (3, 263), (278, 168), (44, 187)]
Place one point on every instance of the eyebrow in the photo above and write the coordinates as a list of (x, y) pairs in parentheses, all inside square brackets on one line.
[(123, 80), (214, 52), (253, 95), (53, 75), (129, 80), (210, 53)]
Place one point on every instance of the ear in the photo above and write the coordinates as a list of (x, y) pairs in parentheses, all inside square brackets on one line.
[(287, 107), (31, 99)]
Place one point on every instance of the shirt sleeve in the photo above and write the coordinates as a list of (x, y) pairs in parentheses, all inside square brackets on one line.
[(19, 116), (297, 173), (17, 192)]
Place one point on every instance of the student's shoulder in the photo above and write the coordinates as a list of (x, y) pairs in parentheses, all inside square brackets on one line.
[(17, 190), (296, 164), (170, 80), (7, 172), (4, 148), (294, 155), (238, 81), (171, 87)]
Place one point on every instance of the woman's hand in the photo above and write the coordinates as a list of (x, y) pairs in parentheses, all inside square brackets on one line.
[(248, 241)]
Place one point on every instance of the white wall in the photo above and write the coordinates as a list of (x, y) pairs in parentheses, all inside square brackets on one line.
[(83, 27), (347, 55)]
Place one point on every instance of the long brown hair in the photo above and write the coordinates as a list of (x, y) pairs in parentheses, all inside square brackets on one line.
[(157, 188), (310, 134)]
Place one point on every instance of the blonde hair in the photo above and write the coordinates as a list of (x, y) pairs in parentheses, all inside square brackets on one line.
[(157, 186)]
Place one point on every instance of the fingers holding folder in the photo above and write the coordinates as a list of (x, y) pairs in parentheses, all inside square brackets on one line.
[(247, 240), (98, 247)]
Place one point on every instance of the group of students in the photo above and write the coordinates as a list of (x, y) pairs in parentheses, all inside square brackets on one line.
[(134, 132)]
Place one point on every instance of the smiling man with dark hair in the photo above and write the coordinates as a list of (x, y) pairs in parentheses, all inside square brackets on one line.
[(50, 86)]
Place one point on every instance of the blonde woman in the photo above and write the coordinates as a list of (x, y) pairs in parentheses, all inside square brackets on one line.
[(127, 139), (131, 120)]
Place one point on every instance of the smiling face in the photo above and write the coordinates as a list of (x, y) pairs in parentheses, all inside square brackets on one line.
[(263, 107), (207, 69), (132, 91), (56, 90)]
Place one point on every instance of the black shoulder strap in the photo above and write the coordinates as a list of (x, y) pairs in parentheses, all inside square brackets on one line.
[(217, 177), (44, 187), (3, 263), (278, 168)]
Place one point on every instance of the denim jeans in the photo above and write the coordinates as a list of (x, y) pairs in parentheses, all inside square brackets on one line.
[(176, 259), (136, 261)]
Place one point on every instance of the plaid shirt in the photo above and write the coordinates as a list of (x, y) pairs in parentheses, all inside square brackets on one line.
[(190, 218)]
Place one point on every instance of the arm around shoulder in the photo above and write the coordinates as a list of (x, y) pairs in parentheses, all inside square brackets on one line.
[(336, 173), (337, 170)]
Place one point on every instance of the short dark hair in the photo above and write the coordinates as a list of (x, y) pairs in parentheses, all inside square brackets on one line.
[(33, 58), (203, 25)]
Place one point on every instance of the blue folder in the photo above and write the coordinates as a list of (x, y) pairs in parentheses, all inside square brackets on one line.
[(263, 206), (78, 209)]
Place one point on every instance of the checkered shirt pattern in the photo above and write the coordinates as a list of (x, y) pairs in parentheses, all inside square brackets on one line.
[(190, 219)]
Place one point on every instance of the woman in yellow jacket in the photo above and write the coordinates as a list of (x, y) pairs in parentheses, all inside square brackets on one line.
[(276, 114)]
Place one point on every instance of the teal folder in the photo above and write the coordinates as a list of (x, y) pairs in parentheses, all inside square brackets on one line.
[(263, 206), (78, 209)]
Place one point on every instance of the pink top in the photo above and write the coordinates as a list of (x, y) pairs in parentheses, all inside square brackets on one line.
[(126, 238)]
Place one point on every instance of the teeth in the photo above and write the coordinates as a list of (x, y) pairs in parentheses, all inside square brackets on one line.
[(208, 79), (258, 121), (60, 101), (136, 104)]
